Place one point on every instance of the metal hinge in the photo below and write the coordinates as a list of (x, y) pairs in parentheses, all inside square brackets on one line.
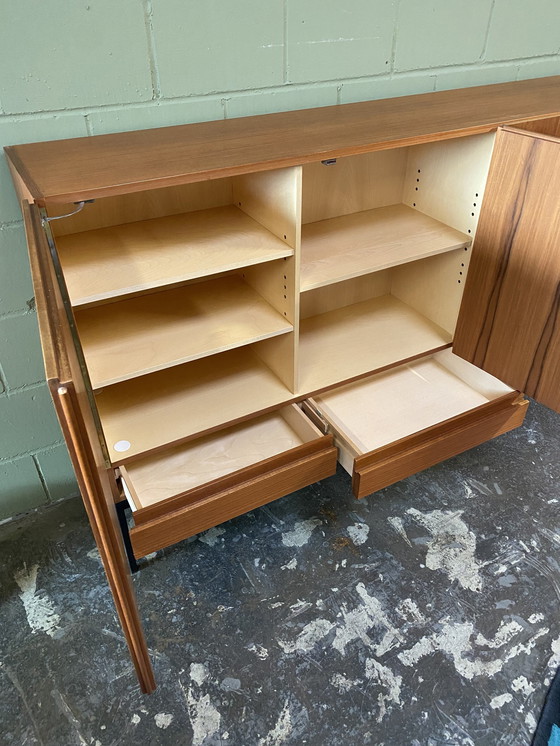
[(80, 206)]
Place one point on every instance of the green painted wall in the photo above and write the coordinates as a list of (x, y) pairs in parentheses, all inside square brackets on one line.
[(94, 66)]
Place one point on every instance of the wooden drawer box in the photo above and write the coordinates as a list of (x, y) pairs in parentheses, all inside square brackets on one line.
[(394, 424), (179, 492)]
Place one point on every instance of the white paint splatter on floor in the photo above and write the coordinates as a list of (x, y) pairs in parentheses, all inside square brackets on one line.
[(500, 700), (398, 524), (454, 641), (204, 717), (357, 622), (163, 720), (522, 684), (358, 533), (39, 609), (506, 631), (351, 624), (340, 682), (452, 548), (390, 684), (135, 719), (409, 611), (301, 533), (199, 673), (291, 565), (281, 731), (310, 635), (260, 651), (212, 536)]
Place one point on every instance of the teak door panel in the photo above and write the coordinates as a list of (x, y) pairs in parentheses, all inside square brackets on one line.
[(97, 487), (509, 323)]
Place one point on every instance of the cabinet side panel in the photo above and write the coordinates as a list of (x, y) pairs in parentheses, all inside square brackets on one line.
[(446, 179), (509, 323)]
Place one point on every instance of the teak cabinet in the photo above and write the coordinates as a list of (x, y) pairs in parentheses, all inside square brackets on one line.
[(228, 308)]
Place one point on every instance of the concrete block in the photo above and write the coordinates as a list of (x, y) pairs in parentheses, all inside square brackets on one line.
[(522, 29), (218, 45), (58, 473), (20, 350), (20, 487), (283, 99), (406, 84), (465, 78), (156, 114), (16, 131), (60, 55), (440, 32), (332, 41), (28, 422), (538, 68), (16, 289)]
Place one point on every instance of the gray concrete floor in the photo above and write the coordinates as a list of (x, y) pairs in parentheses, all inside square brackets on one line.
[(424, 615)]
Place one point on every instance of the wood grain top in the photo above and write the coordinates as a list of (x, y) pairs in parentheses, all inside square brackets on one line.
[(91, 167)]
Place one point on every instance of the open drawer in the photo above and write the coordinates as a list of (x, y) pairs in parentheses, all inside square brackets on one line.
[(189, 488), (394, 424)]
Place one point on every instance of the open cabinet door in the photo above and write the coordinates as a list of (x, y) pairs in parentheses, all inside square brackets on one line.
[(97, 484), (509, 323)]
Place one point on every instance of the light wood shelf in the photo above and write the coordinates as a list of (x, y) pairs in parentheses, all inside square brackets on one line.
[(352, 245), (148, 333), (172, 405), (366, 336), (124, 259)]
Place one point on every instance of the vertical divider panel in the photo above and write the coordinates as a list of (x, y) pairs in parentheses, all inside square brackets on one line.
[(273, 199)]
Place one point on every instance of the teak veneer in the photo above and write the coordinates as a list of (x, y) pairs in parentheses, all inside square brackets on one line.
[(246, 302)]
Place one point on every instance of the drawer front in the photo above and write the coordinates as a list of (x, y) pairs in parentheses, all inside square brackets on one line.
[(189, 510), (378, 469)]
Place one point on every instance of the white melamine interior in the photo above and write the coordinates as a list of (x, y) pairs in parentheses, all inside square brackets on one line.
[(185, 467), (384, 408)]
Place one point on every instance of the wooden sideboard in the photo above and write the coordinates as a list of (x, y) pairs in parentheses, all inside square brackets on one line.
[(228, 308)]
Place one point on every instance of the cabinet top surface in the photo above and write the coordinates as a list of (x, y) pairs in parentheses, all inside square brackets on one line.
[(104, 165)]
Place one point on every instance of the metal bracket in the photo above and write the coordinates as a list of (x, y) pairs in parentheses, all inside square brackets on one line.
[(311, 410), (45, 219), (122, 507)]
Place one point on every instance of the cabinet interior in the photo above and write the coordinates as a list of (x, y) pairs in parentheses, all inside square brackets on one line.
[(207, 303)]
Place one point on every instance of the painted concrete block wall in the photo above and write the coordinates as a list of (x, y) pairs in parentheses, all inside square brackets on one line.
[(96, 66)]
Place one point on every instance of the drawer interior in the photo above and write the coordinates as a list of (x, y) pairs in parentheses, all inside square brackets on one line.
[(387, 407), (183, 468)]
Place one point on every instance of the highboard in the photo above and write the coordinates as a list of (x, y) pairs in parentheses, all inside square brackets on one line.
[(227, 309)]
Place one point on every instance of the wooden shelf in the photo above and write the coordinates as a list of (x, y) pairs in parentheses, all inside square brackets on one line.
[(368, 336), (173, 405), (149, 333), (124, 259), (353, 245)]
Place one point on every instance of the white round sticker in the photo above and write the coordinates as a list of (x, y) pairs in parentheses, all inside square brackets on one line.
[(121, 446)]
